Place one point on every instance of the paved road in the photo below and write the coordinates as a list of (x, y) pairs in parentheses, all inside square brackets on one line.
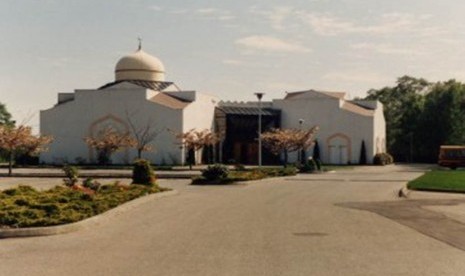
[(286, 226)]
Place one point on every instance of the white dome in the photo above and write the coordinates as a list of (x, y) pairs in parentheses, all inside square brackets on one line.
[(139, 66)]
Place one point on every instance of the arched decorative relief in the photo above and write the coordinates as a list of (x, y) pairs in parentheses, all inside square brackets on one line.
[(346, 142), (99, 124)]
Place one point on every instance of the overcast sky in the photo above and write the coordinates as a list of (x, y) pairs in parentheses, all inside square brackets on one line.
[(229, 49)]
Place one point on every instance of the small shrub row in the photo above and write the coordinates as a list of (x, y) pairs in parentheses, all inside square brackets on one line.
[(142, 173), (200, 180), (219, 174), (310, 166), (276, 172)]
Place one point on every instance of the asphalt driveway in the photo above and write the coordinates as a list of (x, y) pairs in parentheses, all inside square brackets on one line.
[(284, 226)]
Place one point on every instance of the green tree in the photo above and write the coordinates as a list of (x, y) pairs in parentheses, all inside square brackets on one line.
[(403, 104), (421, 116), (442, 121), (5, 116), (363, 154), (316, 151)]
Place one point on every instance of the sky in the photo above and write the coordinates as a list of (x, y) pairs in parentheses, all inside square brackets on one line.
[(230, 49)]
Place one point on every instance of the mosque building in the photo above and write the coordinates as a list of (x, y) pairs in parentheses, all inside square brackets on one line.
[(140, 98)]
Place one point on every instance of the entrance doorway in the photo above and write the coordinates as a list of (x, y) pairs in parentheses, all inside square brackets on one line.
[(339, 149)]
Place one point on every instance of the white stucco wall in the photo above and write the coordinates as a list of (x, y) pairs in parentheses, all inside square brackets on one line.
[(90, 110), (379, 133), (200, 114), (380, 129), (326, 112), (70, 122)]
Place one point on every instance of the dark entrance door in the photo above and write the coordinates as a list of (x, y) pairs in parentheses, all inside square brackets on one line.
[(240, 126)]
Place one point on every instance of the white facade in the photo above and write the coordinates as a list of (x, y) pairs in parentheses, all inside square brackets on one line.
[(343, 124), (140, 97), (133, 101), (92, 110)]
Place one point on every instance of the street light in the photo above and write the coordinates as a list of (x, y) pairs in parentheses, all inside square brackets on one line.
[(259, 97), (299, 154)]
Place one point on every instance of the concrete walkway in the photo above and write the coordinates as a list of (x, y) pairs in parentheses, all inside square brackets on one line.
[(97, 173), (285, 226)]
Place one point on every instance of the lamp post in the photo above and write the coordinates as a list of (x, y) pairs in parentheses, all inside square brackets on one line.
[(259, 97), (299, 154)]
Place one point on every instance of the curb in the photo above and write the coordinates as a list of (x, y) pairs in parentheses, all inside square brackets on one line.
[(67, 228), (404, 192), (98, 175)]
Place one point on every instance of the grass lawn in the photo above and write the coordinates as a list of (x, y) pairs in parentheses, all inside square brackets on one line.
[(447, 181), (27, 207)]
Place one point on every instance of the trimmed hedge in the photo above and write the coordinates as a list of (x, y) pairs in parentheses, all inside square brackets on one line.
[(247, 175)]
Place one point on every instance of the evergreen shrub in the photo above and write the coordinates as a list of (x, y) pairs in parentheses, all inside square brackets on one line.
[(308, 167), (239, 167), (363, 154), (383, 159), (215, 172), (91, 184), (72, 175), (316, 151), (142, 173)]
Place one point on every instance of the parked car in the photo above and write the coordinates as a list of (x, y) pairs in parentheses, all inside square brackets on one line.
[(452, 156)]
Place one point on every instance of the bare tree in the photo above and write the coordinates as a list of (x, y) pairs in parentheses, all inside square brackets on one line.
[(305, 139), (194, 140), (143, 135), (109, 141), (20, 140), (288, 140)]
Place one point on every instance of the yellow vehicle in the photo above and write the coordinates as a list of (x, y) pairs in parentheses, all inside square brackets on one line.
[(451, 156)]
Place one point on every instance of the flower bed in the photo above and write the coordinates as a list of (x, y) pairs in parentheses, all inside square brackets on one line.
[(27, 207)]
